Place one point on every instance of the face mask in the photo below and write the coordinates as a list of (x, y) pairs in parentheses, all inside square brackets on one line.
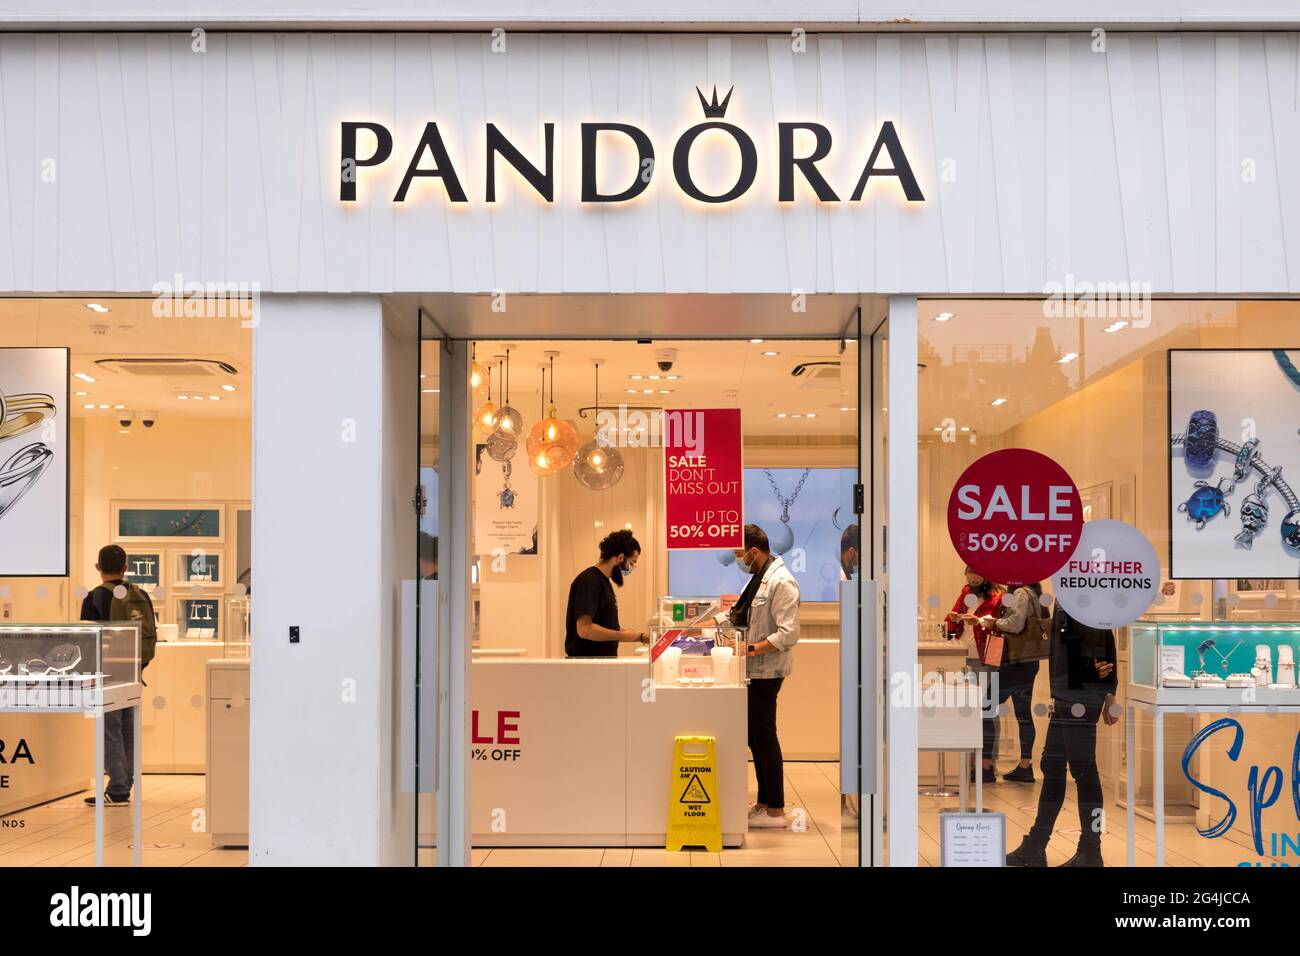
[(626, 569), (744, 566)]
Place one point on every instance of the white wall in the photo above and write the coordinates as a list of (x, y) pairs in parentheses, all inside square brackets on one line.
[(1039, 157), (328, 541), (669, 14)]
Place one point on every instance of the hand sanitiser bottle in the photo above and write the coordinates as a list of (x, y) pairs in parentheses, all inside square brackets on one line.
[(1263, 669), (1285, 666)]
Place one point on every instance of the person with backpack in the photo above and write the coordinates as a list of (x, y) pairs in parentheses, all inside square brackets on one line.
[(1023, 624), (118, 600)]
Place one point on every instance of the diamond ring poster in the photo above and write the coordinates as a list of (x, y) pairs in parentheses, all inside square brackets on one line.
[(33, 462)]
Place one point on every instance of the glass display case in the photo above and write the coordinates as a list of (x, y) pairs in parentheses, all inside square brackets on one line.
[(1203, 661), (239, 628), (52, 665)]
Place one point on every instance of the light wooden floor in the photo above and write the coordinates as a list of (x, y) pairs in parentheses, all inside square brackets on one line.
[(62, 833)]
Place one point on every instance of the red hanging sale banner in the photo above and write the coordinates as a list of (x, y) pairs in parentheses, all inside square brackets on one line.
[(703, 478), (1015, 516)]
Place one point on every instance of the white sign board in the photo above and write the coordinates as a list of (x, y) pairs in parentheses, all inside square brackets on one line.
[(972, 839), (1111, 579)]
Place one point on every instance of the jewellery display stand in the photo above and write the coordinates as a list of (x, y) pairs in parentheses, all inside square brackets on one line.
[(1165, 655), (688, 650), (85, 669)]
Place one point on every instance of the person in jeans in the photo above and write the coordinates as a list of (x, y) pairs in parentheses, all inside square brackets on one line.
[(1016, 678), (1081, 665), (979, 603), (119, 725), (769, 607)]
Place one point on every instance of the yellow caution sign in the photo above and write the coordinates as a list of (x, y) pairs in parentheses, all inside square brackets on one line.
[(693, 815)]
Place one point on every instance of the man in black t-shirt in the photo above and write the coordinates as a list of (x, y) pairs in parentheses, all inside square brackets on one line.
[(591, 619)]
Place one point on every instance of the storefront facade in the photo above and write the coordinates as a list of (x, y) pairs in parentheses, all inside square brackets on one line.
[(373, 190)]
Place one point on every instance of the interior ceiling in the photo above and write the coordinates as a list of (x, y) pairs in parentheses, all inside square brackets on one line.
[(516, 316), (130, 330), (1013, 349), (711, 374)]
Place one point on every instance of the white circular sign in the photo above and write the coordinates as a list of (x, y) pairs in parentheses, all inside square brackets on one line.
[(1111, 579)]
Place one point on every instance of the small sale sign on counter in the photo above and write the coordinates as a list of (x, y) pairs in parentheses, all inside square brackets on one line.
[(703, 478), (1015, 516)]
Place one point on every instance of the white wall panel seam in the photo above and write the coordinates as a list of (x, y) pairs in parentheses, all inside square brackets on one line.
[(1124, 123)]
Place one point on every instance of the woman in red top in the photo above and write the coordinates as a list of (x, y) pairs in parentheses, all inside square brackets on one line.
[(979, 605)]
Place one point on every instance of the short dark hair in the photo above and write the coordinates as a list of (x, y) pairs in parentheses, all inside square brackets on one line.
[(851, 537), (112, 559), (620, 543), (428, 547), (756, 537)]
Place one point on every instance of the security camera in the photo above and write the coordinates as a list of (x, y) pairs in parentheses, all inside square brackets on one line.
[(125, 419), (147, 419), (665, 358)]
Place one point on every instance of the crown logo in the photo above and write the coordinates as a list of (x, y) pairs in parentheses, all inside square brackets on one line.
[(714, 110)]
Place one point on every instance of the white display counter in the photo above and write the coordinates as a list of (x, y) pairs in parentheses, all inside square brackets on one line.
[(175, 708), (579, 752)]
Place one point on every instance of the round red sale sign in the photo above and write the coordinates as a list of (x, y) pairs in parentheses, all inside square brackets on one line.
[(1015, 516)]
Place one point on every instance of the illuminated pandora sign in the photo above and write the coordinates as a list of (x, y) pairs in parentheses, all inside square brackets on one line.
[(799, 149)]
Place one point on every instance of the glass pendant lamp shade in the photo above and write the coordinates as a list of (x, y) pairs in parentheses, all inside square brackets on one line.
[(501, 445), (552, 444), (598, 466), (510, 421), (478, 378), (485, 420)]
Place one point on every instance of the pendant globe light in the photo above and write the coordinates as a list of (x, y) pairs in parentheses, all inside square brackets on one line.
[(552, 442), (509, 421), (479, 378), (598, 464), (485, 416)]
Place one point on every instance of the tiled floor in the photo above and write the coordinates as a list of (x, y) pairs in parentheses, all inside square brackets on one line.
[(62, 833)]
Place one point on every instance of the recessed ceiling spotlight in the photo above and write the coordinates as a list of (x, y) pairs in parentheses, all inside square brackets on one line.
[(811, 415), (119, 407), (937, 428), (771, 354), (943, 317), (214, 398), (998, 401), (631, 391), (103, 406), (844, 408), (796, 415), (672, 378), (81, 394), (665, 391), (87, 407), (1116, 326), (231, 388), (755, 341), (964, 428), (636, 378), (96, 307), (653, 378), (1067, 358), (83, 376), (782, 415), (182, 398)]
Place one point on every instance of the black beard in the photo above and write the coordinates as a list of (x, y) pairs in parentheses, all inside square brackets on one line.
[(617, 575)]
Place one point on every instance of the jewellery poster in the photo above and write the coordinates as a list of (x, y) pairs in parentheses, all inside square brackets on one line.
[(1234, 463), (505, 505), (33, 462)]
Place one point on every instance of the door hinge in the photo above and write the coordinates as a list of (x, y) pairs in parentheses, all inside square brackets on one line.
[(421, 501), (859, 499)]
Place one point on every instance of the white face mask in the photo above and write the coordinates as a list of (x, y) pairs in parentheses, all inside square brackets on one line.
[(744, 565), (626, 569)]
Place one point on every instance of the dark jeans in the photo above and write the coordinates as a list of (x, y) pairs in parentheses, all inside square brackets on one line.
[(1071, 742), (1017, 682), (119, 751), (769, 767)]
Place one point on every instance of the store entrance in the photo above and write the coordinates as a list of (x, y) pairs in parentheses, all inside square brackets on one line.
[(554, 465)]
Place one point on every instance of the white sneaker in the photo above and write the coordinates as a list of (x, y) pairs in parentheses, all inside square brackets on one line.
[(765, 821), (755, 810)]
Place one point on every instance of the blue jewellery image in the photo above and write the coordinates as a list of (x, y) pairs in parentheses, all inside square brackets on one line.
[(506, 496), (1202, 436), (1206, 502)]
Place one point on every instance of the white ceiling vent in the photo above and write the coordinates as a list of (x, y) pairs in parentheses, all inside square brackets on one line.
[(817, 373), (169, 367)]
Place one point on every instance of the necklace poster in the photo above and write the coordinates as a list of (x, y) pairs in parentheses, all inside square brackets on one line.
[(1234, 463), (505, 505), (33, 462), (704, 488)]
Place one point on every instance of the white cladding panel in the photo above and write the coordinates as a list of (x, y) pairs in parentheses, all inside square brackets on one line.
[(1172, 159)]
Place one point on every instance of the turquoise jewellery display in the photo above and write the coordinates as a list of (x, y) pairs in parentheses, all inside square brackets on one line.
[(1208, 500)]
